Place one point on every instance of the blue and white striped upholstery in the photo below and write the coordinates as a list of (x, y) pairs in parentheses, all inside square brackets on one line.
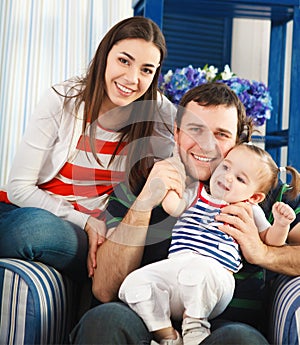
[(285, 312), (36, 303)]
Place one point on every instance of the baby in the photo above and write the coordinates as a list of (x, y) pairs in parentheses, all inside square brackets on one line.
[(196, 282)]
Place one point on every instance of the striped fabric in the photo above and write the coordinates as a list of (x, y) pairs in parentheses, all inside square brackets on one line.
[(35, 303), (85, 183), (197, 230), (285, 312)]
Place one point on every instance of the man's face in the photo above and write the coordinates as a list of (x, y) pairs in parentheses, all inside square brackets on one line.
[(205, 136)]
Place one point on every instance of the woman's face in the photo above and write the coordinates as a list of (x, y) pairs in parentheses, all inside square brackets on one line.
[(130, 69)]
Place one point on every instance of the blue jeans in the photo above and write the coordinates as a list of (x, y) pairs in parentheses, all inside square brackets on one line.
[(30, 233), (115, 323)]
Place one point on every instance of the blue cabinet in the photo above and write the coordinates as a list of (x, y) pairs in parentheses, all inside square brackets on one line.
[(192, 38), (189, 16)]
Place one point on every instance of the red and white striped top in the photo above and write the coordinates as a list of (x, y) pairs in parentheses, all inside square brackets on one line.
[(82, 181)]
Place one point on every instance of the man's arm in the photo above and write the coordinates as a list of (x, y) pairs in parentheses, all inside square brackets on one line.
[(238, 223), (285, 260), (122, 252), (116, 257)]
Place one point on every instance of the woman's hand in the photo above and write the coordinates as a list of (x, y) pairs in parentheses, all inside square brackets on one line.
[(96, 230), (238, 223)]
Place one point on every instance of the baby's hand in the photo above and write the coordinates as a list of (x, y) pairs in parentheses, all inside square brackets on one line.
[(283, 213)]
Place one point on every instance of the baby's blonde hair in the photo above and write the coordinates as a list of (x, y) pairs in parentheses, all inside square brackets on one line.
[(269, 177)]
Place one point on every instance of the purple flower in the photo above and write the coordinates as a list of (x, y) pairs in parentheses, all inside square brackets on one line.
[(254, 95), (174, 85)]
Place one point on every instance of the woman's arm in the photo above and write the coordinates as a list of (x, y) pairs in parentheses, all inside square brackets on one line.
[(41, 153)]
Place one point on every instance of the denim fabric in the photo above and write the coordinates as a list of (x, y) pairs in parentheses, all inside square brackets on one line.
[(233, 333), (35, 234), (110, 323), (115, 323)]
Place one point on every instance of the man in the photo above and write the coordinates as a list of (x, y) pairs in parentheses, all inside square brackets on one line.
[(132, 243)]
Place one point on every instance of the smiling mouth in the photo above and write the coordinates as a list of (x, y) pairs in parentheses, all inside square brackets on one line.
[(203, 159), (124, 89)]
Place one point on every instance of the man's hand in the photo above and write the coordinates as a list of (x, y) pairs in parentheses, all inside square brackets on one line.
[(96, 230), (238, 223), (165, 175), (172, 203)]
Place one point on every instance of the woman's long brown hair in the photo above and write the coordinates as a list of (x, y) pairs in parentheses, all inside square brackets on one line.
[(92, 92)]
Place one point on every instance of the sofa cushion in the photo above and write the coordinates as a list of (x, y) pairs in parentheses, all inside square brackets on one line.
[(36, 303), (285, 320)]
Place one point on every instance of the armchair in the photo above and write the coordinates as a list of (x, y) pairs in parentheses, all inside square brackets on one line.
[(37, 303)]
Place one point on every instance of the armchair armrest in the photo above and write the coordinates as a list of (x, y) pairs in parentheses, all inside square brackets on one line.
[(36, 303), (284, 325)]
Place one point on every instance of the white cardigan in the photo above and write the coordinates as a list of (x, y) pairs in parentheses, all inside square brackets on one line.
[(50, 137)]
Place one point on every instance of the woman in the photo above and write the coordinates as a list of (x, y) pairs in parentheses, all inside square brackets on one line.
[(83, 136)]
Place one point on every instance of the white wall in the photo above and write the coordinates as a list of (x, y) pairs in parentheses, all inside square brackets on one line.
[(250, 49), (250, 56), (250, 53)]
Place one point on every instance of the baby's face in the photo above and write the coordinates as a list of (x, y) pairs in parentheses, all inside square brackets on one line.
[(237, 178)]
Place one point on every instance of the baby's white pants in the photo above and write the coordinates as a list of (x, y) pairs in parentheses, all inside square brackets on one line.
[(187, 281)]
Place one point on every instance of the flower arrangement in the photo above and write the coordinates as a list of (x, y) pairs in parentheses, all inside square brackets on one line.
[(254, 95)]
